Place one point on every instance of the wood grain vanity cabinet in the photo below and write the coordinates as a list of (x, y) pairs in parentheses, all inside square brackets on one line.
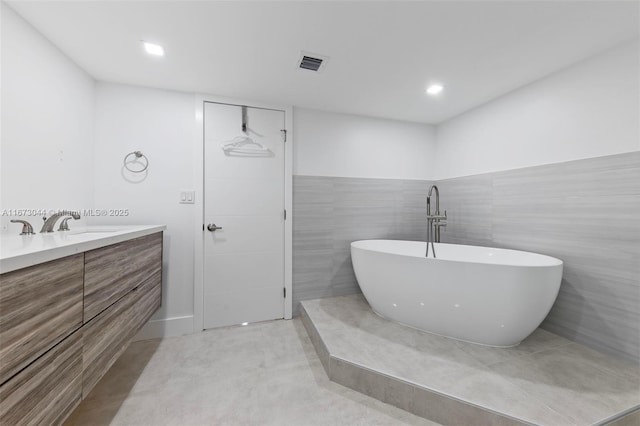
[(48, 390), (113, 271), (64, 323), (39, 306), (148, 299), (104, 339)]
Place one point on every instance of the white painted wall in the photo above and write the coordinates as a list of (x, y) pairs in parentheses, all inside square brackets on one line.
[(588, 110), (47, 124), (161, 124), (332, 144)]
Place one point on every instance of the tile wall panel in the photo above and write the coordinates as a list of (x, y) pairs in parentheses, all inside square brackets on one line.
[(330, 212), (467, 201), (585, 212)]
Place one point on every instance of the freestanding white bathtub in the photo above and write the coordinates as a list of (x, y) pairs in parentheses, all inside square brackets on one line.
[(483, 295)]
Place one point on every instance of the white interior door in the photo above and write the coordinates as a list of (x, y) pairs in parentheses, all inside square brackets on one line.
[(244, 195)]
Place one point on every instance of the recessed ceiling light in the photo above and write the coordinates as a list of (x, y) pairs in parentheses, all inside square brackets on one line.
[(153, 49), (434, 89)]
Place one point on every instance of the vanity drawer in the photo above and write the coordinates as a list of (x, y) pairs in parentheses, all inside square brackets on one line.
[(104, 339), (39, 306), (48, 390), (113, 271), (148, 300), (107, 336)]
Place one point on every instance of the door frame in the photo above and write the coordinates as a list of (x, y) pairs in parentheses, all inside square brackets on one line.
[(198, 271)]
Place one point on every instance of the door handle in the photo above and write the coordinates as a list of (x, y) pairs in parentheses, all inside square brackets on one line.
[(212, 227)]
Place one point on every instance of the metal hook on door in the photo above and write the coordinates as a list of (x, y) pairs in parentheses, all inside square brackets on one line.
[(244, 118)]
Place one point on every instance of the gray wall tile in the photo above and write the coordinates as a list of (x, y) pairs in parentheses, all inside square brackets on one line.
[(585, 212), (467, 201), (331, 212)]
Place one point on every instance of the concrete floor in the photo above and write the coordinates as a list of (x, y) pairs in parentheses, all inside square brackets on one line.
[(261, 374)]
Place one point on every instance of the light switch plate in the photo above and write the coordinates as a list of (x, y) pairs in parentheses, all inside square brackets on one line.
[(187, 197)]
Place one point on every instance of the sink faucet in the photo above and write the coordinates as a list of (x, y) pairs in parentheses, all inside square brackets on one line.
[(27, 229), (435, 221), (64, 224), (51, 221)]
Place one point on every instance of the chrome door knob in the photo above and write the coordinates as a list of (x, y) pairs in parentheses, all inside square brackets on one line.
[(212, 227)]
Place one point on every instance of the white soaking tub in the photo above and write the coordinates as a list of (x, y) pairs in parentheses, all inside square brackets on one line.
[(483, 295)]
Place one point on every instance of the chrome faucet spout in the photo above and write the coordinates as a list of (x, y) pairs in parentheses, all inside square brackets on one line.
[(64, 224), (27, 229), (50, 222), (437, 197)]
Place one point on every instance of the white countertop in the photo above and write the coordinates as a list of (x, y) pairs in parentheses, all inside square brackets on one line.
[(21, 251)]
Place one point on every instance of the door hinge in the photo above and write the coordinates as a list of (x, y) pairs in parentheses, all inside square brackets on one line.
[(284, 132), (285, 214), (284, 292)]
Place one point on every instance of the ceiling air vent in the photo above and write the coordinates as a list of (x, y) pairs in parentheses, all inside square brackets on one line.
[(309, 63), (312, 62)]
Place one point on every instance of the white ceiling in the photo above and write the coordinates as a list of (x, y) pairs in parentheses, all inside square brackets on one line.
[(382, 54)]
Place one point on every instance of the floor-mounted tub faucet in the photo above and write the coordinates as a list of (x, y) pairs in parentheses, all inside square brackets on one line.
[(434, 222)]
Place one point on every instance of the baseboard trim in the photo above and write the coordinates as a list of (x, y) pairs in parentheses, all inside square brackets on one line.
[(166, 327)]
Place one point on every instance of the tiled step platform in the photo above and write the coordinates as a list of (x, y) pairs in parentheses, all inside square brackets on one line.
[(546, 380)]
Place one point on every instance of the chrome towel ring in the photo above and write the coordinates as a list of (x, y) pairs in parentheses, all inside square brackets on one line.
[(138, 155)]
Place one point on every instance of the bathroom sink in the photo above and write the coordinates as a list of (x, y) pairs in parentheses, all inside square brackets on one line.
[(92, 232)]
